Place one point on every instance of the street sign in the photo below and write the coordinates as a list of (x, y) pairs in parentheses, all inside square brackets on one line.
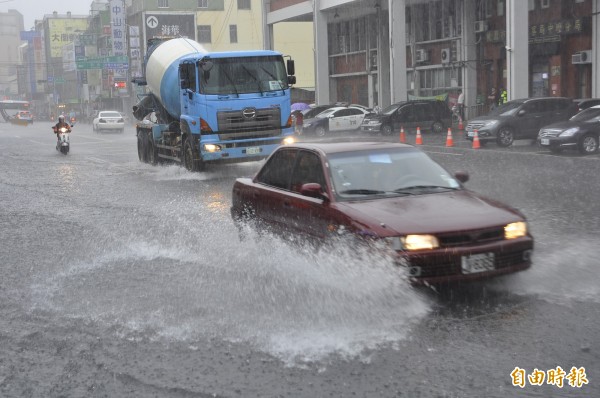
[(114, 62)]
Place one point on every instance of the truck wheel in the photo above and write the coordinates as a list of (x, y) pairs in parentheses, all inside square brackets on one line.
[(191, 158), (140, 147), (151, 151)]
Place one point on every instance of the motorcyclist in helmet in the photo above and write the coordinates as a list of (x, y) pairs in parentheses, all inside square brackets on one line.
[(61, 123)]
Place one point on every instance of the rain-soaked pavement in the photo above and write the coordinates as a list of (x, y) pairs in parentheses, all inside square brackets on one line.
[(119, 279)]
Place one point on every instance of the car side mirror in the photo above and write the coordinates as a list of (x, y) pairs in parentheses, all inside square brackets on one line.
[(521, 112), (313, 190), (462, 176)]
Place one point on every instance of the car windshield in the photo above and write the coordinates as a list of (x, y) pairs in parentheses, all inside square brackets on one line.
[(389, 172), (243, 75), (390, 109), (325, 113), (589, 114), (507, 109)]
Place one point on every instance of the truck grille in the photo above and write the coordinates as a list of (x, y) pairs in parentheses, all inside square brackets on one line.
[(235, 125)]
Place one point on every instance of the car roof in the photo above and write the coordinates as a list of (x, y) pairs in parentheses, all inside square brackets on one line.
[(346, 146)]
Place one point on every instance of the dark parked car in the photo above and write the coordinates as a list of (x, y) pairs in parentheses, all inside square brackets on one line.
[(428, 115), (584, 103), (388, 193), (581, 132), (520, 119)]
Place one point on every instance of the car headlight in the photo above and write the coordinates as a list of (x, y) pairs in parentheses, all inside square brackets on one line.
[(515, 230), (413, 242), (491, 123), (569, 132), (289, 140)]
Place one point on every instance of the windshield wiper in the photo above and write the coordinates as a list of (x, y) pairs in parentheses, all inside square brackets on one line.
[(362, 192), (253, 77), (422, 187), (231, 81)]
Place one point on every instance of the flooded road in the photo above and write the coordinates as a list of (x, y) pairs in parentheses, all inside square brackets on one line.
[(119, 279)]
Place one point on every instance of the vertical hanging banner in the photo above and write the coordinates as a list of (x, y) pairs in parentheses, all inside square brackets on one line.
[(119, 36)]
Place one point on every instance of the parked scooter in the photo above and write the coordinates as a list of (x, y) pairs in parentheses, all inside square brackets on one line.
[(62, 144)]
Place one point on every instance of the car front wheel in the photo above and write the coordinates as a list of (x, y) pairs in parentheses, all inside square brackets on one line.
[(386, 129), (505, 137), (588, 144)]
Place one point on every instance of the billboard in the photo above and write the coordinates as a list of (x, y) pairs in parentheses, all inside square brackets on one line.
[(62, 32), (157, 24)]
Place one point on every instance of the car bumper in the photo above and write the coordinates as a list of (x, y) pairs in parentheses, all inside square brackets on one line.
[(557, 142), (111, 126), (370, 128), (446, 265), (483, 135)]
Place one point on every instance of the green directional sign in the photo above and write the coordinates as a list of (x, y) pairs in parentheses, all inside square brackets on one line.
[(102, 62)]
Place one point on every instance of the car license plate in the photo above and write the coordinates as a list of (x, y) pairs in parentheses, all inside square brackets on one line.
[(253, 150), (477, 263), (470, 134), (545, 141)]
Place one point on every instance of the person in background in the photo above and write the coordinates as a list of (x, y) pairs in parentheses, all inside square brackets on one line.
[(461, 104), (493, 99), (503, 96)]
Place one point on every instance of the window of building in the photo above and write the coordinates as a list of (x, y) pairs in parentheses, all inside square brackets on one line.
[(204, 34), (202, 3), (163, 3), (243, 4), (233, 34), (545, 3), (531, 5)]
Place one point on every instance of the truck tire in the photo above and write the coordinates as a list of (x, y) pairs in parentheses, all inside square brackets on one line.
[(191, 158), (151, 151), (141, 147)]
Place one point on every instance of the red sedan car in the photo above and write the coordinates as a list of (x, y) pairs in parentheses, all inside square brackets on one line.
[(391, 193)]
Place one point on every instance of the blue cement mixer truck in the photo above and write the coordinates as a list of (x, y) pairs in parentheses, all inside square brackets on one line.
[(207, 107)]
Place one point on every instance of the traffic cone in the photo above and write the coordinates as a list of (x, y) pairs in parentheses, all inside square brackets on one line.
[(402, 136), (476, 144), (460, 124), (449, 141), (419, 140)]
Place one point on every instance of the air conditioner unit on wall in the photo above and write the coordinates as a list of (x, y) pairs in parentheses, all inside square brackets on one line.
[(445, 55), (582, 57), (421, 55), (481, 26)]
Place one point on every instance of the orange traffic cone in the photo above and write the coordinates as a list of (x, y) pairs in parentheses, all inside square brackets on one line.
[(419, 140), (402, 136), (476, 144), (460, 124), (449, 141)]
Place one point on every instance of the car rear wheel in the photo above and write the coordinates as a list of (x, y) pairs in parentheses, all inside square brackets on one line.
[(505, 137), (437, 127), (588, 144), (320, 131)]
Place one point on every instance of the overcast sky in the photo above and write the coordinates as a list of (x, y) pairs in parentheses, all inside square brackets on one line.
[(36, 9)]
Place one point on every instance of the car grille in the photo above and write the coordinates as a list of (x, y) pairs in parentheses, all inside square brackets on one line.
[(234, 125), (475, 126), (468, 238), (550, 133)]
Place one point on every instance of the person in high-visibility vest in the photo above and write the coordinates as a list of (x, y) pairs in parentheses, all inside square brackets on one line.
[(503, 96)]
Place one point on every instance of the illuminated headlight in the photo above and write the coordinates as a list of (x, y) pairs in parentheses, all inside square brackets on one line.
[(569, 132), (289, 140), (212, 148), (413, 242), (515, 230)]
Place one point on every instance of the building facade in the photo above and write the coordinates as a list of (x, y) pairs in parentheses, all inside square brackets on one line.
[(384, 51)]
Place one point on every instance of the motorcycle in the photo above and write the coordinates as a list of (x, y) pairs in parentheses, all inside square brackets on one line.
[(62, 144)]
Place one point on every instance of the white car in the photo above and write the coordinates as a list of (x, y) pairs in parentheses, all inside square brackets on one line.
[(340, 118), (108, 120)]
